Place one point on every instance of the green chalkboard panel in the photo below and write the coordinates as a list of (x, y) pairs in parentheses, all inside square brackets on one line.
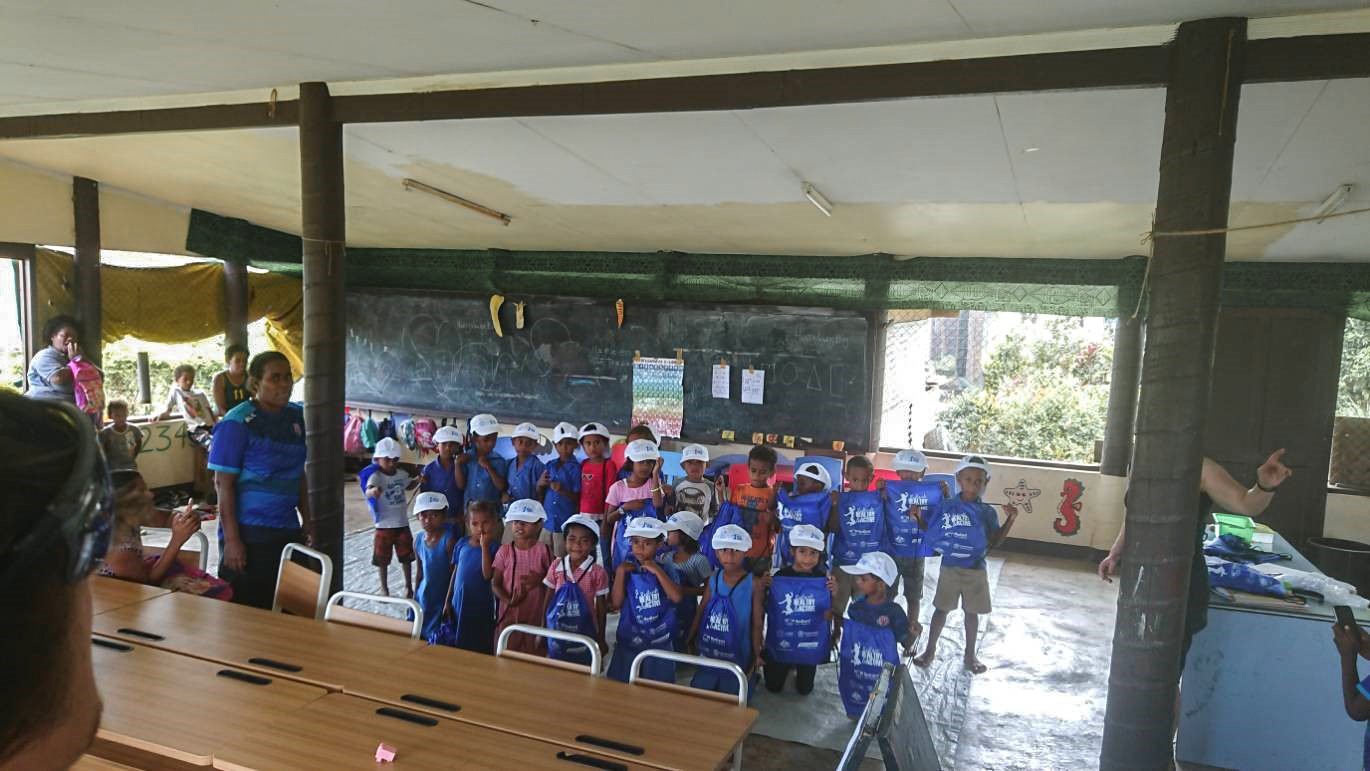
[(572, 362)]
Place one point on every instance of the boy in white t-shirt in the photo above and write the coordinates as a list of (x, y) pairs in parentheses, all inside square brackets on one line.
[(385, 484), (694, 492), (192, 405)]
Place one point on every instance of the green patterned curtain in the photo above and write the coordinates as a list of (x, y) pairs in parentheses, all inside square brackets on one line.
[(1103, 287)]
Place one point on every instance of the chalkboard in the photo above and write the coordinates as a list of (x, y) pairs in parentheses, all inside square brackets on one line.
[(572, 362)]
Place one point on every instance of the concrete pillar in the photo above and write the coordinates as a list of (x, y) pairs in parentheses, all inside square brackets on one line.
[(324, 229), (235, 303), (85, 204), (1206, 61)]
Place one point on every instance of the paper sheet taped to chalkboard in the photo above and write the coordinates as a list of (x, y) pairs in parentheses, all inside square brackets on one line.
[(571, 362)]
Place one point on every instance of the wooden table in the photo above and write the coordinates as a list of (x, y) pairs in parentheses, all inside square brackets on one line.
[(341, 732), (107, 593), (184, 708), (632, 723), (300, 648)]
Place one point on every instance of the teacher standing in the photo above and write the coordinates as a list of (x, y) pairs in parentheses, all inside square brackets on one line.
[(48, 376), (257, 457)]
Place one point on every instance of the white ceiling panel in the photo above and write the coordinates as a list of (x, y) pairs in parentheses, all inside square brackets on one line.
[(1323, 140), (988, 18), (913, 150)]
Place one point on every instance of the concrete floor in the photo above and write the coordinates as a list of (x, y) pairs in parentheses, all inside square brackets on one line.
[(1040, 706)]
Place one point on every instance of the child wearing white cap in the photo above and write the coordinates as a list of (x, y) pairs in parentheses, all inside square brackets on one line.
[(628, 498), (525, 469), (519, 570), (483, 474), (964, 531), (909, 502), (434, 551), (559, 485), (683, 529), (647, 592), (694, 492), (385, 484), (874, 625), (728, 625), (809, 504), (858, 525), (440, 475), (597, 472), (799, 602), (578, 594)]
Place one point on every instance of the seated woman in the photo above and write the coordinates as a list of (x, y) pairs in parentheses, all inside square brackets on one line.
[(125, 560)]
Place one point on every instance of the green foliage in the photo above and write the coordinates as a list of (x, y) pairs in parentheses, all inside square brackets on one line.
[(1045, 398), (1353, 390)]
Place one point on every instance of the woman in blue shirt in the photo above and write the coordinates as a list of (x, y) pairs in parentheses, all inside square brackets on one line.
[(257, 457)]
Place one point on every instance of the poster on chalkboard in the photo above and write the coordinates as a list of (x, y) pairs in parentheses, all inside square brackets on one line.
[(659, 394)]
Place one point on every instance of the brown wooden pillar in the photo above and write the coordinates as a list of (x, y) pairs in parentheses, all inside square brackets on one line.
[(1122, 397), (324, 229), (1206, 61), (85, 204), (235, 303)]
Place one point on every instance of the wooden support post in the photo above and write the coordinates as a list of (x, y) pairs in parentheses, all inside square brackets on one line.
[(235, 303), (1122, 397), (1162, 527), (325, 231), (85, 200)]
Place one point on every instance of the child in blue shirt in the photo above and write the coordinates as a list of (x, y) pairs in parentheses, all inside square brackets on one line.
[(560, 484), (728, 624), (875, 627), (1355, 692), (434, 549), (440, 475), (857, 522), (481, 473), (963, 531), (525, 469)]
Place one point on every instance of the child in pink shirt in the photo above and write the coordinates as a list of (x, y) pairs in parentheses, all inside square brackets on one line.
[(519, 568), (628, 497), (584, 610)]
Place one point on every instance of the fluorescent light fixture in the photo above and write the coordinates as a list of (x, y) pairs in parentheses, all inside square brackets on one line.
[(817, 199), (414, 184), (1031, 149), (1333, 201)]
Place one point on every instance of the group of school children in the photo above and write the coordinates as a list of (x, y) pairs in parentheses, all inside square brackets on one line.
[(740, 575)]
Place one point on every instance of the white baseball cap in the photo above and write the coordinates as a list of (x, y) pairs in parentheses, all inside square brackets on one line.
[(694, 452), (686, 522), (973, 461), (484, 424), (594, 429), (645, 527), (876, 563), (807, 535), (447, 434), (910, 460), (583, 520), (641, 449), (731, 537), (527, 431), (816, 472), (388, 448), (564, 430), (429, 502), (525, 510)]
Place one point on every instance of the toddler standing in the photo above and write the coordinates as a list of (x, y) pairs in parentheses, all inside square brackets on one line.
[(874, 625), (560, 486), (520, 567), (799, 613), (434, 551), (385, 484), (728, 625), (482, 473), (694, 492), (577, 600), (597, 471), (646, 591), (441, 474), (473, 603), (525, 469)]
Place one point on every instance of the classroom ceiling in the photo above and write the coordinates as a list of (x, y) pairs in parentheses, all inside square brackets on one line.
[(1050, 175)]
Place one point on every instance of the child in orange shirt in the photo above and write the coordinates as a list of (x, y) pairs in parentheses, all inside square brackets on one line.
[(756, 501)]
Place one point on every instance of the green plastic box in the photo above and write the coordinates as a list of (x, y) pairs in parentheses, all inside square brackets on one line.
[(1235, 524)]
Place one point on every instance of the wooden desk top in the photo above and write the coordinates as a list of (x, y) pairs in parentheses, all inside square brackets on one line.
[(184, 708), (107, 593), (674, 731), (310, 651), (342, 732), (94, 763)]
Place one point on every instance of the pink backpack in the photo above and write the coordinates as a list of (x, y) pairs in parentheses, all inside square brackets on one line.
[(352, 434), (89, 386), (424, 428)]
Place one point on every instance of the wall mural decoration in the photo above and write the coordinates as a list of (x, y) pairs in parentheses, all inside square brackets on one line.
[(1072, 491), (1022, 495)]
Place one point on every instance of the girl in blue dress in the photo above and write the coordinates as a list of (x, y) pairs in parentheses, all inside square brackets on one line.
[(473, 601), (434, 550)]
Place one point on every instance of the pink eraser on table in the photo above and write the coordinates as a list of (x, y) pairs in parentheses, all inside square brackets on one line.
[(384, 753)]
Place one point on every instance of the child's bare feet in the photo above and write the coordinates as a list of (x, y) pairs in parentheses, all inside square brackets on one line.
[(385, 591), (925, 659), (974, 666)]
